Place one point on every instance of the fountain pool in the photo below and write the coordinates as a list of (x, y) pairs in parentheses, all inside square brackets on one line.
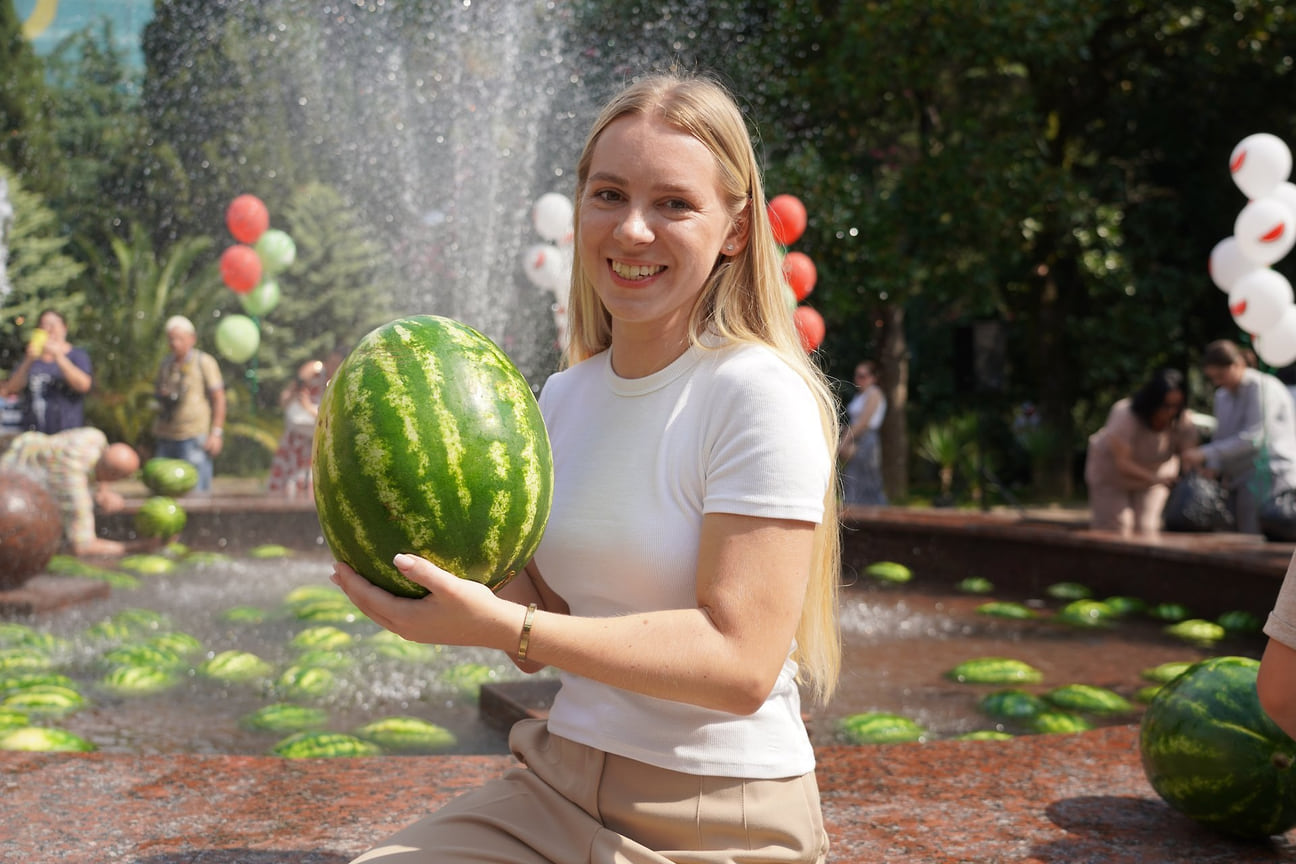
[(899, 643)]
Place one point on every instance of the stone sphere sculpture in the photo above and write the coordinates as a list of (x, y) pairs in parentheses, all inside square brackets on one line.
[(30, 528)]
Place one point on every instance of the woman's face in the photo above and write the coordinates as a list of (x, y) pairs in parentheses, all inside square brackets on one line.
[(1170, 408), (653, 225), (1228, 377), (863, 377)]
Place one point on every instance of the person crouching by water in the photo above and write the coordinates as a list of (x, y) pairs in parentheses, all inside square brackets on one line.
[(1253, 450), (76, 466), (693, 446), (1134, 459)]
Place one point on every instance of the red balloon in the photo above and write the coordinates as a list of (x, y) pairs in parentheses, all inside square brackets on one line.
[(810, 327), (240, 268), (787, 216), (800, 273), (247, 218)]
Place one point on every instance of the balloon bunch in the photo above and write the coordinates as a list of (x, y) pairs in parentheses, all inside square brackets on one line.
[(787, 216), (1259, 298), (548, 265), (250, 269)]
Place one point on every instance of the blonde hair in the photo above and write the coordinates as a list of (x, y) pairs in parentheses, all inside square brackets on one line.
[(745, 300)]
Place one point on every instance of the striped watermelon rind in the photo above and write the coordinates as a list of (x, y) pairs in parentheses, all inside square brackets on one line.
[(1210, 751), (429, 441)]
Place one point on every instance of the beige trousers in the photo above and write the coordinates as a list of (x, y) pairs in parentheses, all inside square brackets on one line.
[(1129, 512), (570, 803)]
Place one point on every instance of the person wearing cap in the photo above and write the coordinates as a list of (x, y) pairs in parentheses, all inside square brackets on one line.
[(76, 466), (190, 395)]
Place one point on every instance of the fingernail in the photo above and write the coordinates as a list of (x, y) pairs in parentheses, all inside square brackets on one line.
[(403, 560)]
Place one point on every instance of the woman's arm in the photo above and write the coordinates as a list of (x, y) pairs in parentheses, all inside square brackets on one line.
[(725, 653), (1123, 458), (1276, 685), (870, 407)]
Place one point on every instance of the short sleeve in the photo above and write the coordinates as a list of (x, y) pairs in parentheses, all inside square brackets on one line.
[(766, 452), (211, 373), (1281, 625)]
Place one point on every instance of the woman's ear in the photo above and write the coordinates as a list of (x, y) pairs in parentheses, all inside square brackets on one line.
[(736, 241)]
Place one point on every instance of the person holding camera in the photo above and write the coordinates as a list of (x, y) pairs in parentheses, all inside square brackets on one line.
[(52, 380), (191, 402)]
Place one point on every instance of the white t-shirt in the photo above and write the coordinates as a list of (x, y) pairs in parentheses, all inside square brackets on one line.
[(637, 463)]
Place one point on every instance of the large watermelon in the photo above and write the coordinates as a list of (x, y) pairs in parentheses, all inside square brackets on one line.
[(170, 477), (1213, 754), (429, 441)]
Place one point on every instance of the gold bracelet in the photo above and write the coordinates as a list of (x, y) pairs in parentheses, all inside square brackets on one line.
[(524, 640)]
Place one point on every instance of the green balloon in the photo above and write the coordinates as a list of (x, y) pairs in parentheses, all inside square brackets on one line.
[(237, 338), (262, 299), (276, 250)]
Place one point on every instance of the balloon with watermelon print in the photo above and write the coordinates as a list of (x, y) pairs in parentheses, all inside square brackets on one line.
[(1265, 230), (1259, 163), (1259, 299), (247, 218)]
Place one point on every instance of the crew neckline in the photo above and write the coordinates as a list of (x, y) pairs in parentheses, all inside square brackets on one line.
[(656, 380)]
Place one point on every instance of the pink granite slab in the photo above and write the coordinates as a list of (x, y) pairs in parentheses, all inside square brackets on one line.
[(1057, 799)]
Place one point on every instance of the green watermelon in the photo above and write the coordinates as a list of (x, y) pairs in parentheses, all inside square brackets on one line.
[(1197, 630), (1166, 672), (1239, 621), (429, 441), (975, 585), (1006, 609), (324, 745), (985, 735), (40, 739), (1011, 703), (1088, 699), (877, 727), (160, 516), (407, 735), (1212, 753), (1059, 723), (995, 670), (889, 571), (1086, 613), (169, 477), (1068, 591), (285, 717)]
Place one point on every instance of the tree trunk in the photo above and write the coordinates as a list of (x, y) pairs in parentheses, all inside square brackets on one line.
[(893, 356), (1056, 387)]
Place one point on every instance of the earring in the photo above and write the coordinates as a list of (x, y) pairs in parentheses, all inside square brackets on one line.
[(729, 248)]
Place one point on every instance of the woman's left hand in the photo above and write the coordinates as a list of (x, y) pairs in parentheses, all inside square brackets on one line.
[(454, 612)]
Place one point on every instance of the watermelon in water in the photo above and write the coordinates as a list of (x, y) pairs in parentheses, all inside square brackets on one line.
[(169, 477), (160, 516), (429, 441), (1212, 753)]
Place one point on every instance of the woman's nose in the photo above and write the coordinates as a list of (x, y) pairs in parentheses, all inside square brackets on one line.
[(633, 228)]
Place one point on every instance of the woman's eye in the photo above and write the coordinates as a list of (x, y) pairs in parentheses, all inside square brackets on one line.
[(678, 204), (607, 195)]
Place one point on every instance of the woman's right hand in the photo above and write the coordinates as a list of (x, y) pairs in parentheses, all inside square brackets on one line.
[(454, 612)]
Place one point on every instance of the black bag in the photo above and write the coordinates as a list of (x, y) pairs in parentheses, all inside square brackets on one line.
[(1197, 503), (1278, 517)]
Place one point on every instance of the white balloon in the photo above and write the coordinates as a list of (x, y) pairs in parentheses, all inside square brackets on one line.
[(1265, 230), (1286, 193), (1227, 264), (1259, 163), (1277, 345), (546, 266), (552, 216), (1258, 300)]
